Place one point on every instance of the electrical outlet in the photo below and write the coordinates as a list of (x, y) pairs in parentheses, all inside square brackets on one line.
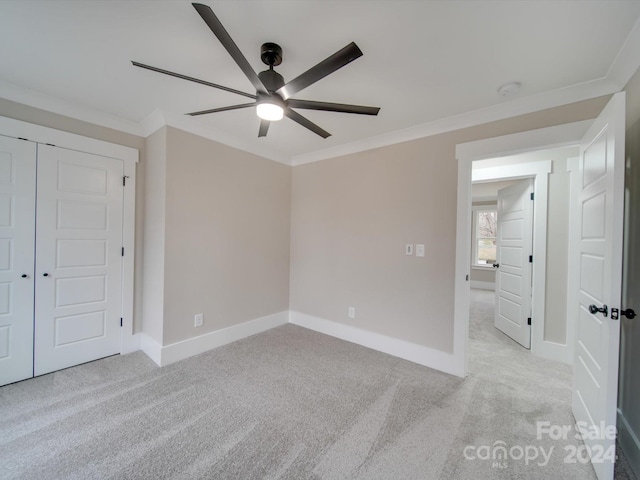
[(409, 249), (419, 250), (198, 320), (352, 312)]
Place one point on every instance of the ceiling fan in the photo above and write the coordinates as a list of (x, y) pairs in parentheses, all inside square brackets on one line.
[(273, 96)]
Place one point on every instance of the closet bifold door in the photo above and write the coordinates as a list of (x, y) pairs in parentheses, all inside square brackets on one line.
[(17, 237), (78, 274)]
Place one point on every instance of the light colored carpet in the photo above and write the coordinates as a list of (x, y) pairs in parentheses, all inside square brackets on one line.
[(289, 404)]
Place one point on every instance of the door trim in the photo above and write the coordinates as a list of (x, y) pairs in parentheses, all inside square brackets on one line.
[(130, 157), (544, 138)]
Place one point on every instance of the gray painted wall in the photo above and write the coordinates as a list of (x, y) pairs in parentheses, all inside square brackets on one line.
[(227, 236), (352, 216)]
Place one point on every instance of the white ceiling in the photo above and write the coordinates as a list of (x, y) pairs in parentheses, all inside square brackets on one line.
[(424, 61)]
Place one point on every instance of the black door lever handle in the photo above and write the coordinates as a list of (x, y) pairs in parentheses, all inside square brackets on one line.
[(629, 313), (604, 310)]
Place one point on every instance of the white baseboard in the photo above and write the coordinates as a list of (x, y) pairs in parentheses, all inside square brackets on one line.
[(412, 352), (429, 357), (164, 355), (483, 285), (629, 442), (558, 352), (151, 348)]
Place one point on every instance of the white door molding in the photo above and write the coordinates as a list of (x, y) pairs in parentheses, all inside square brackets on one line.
[(544, 138), (573, 265)]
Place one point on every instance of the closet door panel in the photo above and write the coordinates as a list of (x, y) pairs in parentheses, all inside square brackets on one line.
[(78, 258), (17, 243)]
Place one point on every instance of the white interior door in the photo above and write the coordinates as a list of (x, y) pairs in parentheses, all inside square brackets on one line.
[(17, 237), (513, 276), (600, 261), (79, 259)]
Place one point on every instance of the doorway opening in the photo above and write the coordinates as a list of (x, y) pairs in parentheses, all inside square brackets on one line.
[(502, 254), (596, 221), (529, 278), (548, 157)]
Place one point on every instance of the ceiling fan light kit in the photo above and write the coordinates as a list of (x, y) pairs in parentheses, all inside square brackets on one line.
[(273, 96), (270, 109)]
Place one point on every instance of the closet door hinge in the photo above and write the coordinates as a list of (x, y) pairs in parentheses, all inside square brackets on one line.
[(122, 253), (528, 321), (120, 321), (530, 258), (124, 180), (532, 195)]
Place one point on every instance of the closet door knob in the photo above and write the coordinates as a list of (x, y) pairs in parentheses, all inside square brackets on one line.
[(45, 274), (24, 275)]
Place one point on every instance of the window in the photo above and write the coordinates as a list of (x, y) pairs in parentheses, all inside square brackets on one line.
[(485, 224)]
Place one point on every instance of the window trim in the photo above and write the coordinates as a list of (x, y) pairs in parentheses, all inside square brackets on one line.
[(474, 240)]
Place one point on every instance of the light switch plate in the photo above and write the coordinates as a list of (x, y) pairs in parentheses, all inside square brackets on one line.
[(409, 249), (419, 250)]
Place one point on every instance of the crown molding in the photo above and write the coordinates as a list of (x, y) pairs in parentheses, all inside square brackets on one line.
[(42, 101), (623, 67), (520, 106), (627, 61), (160, 118), (152, 123)]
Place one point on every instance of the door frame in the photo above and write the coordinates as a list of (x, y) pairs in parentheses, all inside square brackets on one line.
[(545, 138), (130, 157)]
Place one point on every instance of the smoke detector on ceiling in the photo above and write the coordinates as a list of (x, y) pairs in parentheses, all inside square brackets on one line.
[(509, 89)]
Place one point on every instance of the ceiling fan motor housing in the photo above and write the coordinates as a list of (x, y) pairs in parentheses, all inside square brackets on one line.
[(271, 79)]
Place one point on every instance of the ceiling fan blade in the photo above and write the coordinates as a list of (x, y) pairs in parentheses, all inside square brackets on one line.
[(222, 109), (305, 122), (321, 70), (264, 128), (191, 79), (225, 39), (333, 107)]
